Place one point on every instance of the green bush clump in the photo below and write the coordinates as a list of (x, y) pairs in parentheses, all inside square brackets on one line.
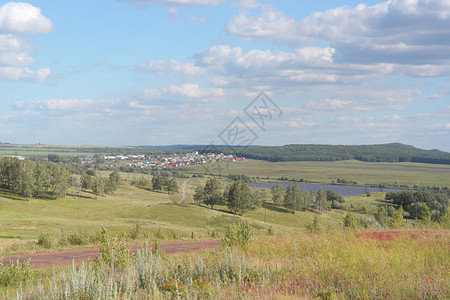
[(238, 234), (45, 240), (15, 274)]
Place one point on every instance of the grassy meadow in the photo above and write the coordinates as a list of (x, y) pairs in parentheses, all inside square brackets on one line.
[(284, 259), (326, 172)]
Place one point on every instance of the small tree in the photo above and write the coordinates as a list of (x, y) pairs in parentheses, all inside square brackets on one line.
[(425, 215), (349, 221), (239, 197), (198, 195), (293, 197), (445, 219), (277, 194), (212, 192), (172, 186), (238, 234), (315, 226), (382, 215), (396, 220)]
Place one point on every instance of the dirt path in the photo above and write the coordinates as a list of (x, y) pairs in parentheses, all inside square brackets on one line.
[(65, 258)]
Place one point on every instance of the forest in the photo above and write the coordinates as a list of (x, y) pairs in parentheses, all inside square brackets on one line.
[(394, 152)]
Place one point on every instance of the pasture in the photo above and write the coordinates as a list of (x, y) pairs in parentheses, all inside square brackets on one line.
[(326, 172)]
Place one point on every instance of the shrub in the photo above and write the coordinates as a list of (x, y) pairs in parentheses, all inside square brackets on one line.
[(160, 234), (136, 231), (238, 234), (396, 220), (349, 221), (77, 238), (315, 225), (15, 274), (63, 240), (368, 222), (45, 240), (113, 252)]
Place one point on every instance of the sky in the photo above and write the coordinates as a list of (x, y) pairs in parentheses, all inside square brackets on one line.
[(164, 72)]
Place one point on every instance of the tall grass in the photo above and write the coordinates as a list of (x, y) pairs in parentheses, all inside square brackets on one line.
[(329, 265)]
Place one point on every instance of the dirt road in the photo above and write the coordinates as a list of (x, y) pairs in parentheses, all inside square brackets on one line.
[(65, 258)]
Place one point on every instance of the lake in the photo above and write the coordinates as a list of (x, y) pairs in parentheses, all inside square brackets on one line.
[(344, 190)]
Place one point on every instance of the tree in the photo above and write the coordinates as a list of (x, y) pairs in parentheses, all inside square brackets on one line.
[(157, 182), (86, 180), (42, 180), (445, 220), (60, 179), (396, 219), (212, 192), (258, 197), (98, 186), (321, 199), (239, 198), (293, 197), (425, 215), (172, 186), (26, 178), (113, 181), (198, 195), (382, 215), (277, 193), (349, 221), (335, 199)]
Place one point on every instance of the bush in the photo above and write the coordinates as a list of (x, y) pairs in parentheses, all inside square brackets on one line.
[(315, 225), (368, 222), (136, 231), (77, 238), (238, 234), (15, 274), (349, 221), (160, 234), (45, 240)]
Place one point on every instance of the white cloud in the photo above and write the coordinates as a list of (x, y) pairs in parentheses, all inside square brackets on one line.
[(172, 67), (15, 54), (418, 31), (329, 105), (183, 93), (69, 105), (177, 2), (23, 74), (18, 17), (224, 56)]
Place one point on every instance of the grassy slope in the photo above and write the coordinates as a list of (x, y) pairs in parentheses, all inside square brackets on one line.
[(21, 221)]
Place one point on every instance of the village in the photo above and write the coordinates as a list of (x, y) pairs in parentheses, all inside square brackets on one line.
[(173, 160)]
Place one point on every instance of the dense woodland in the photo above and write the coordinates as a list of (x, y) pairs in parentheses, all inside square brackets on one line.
[(394, 152), (51, 180)]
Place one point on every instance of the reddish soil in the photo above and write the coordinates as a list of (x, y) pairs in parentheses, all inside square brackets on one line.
[(390, 235), (65, 258)]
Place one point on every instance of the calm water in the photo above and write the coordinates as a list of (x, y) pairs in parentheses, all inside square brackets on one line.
[(344, 190)]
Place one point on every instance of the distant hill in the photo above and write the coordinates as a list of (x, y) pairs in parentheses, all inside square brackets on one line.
[(394, 152)]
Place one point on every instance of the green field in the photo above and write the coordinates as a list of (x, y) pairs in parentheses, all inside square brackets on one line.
[(329, 261), (326, 172)]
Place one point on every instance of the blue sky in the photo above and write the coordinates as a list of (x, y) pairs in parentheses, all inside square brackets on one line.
[(158, 72)]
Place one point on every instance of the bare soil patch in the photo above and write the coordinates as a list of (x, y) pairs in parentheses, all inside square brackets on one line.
[(65, 258)]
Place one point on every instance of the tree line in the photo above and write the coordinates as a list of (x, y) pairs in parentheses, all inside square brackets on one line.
[(414, 202), (294, 199), (240, 198), (394, 152), (160, 182)]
